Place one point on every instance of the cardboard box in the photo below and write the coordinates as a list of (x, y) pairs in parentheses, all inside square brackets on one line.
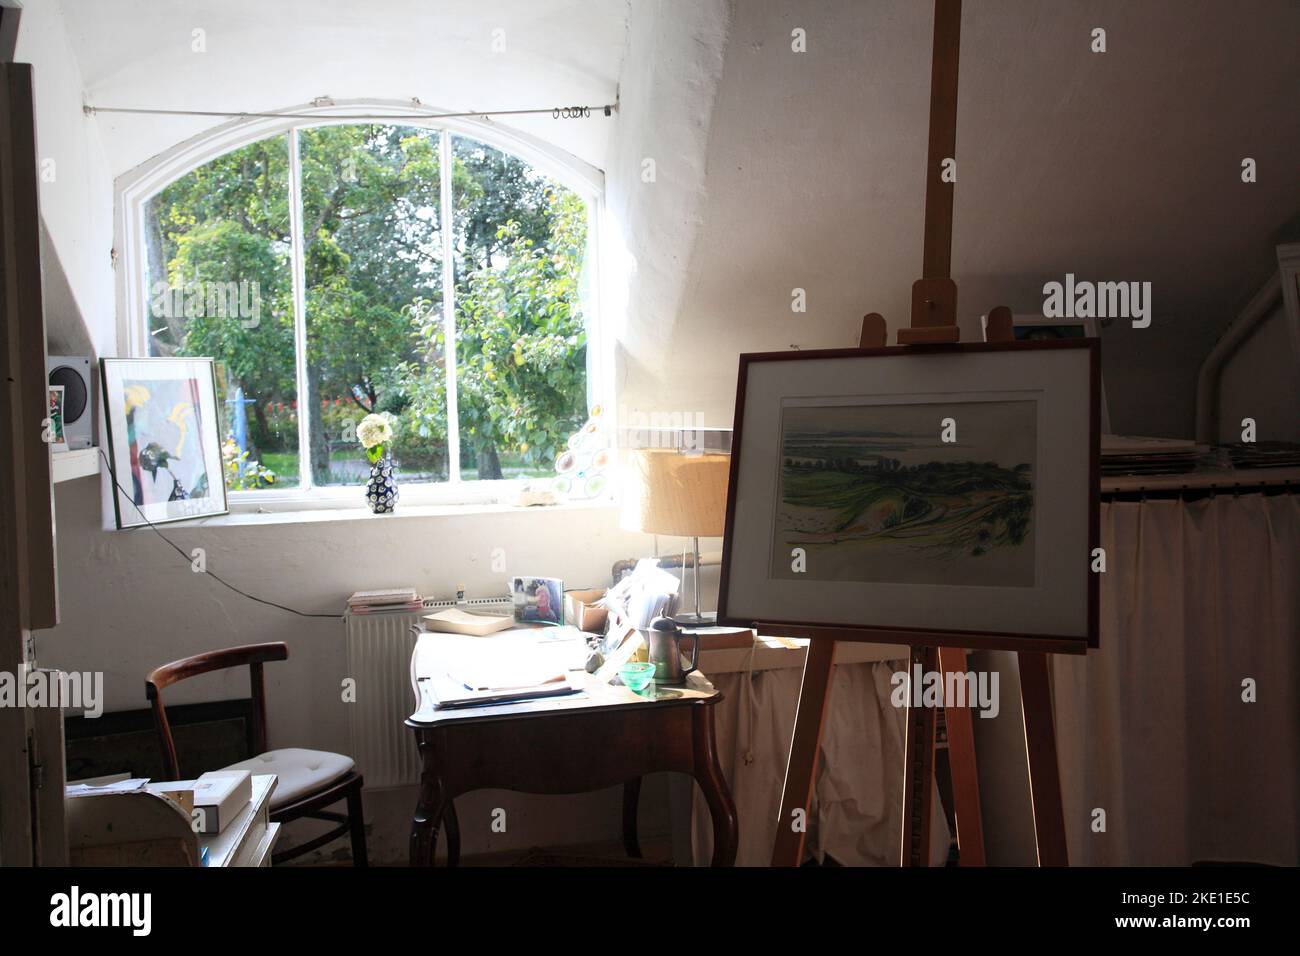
[(714, 638), (578, 610)]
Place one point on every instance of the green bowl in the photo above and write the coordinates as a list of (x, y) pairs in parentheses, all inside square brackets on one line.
[(637, 675)]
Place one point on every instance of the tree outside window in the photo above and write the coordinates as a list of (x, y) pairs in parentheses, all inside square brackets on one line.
[(220, 254)]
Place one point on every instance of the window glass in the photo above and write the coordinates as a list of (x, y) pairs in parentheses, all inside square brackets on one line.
[(373, 268), (219, 272), (218, 284), (521, 367)]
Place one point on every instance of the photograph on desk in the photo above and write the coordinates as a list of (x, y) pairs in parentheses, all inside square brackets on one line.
[(538, 600), (838, 434)]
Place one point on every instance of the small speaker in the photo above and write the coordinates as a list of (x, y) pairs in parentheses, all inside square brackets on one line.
[(73, 373)]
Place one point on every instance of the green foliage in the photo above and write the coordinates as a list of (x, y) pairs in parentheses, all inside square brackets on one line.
[(373, 284), (521, 343), (241, 473)]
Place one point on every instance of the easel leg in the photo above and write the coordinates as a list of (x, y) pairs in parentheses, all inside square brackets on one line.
[(965, 774), (918, 765), (1040, 748), (800, 772)]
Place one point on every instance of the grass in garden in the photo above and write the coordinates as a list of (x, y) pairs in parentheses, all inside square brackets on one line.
[(348, 468)]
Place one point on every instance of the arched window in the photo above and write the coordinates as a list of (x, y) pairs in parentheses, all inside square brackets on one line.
[(347, 268)]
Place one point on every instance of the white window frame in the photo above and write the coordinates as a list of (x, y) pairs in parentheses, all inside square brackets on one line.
[(134, 189)]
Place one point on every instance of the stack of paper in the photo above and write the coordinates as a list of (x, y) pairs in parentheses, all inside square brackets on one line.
[(1132, 455), (1265, 454), (390, 599), (514, 666)]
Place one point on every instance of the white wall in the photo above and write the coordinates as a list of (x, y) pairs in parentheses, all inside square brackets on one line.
[(1123, 165), (1259, 381), (251, 55), (655, 184), (76, 194)]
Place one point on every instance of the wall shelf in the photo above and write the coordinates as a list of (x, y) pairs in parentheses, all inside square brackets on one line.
[(79, 463)]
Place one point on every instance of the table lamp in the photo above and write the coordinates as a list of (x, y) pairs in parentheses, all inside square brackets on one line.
[(677, 493)]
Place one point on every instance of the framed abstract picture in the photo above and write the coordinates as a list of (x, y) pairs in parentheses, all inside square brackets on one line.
[(163, 439), (942, 495)]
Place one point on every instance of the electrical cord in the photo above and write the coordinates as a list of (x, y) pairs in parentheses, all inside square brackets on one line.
[(212, 574)]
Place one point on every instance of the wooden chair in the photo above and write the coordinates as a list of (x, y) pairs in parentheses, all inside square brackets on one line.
[(309, 780)]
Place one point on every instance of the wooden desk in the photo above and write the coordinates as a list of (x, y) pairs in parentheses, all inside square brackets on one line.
[(601, 737)]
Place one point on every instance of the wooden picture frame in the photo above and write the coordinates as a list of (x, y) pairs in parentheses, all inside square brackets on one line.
[(1052, 609), (184, 430), (1026, 328)]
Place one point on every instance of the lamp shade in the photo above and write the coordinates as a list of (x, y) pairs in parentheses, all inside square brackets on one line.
[(667, 492)]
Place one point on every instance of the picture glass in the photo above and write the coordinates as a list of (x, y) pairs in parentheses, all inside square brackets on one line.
[(945, 492), (873, 492), (538, 600), (165, 432), (162, 416)]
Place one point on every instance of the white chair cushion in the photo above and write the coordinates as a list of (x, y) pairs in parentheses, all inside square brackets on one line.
[(300, 772)]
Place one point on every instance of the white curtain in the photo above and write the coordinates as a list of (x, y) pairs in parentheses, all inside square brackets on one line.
[(1197, 599), (856, 816)]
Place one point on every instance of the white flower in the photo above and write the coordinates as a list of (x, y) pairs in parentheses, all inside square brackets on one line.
[(374, 430)]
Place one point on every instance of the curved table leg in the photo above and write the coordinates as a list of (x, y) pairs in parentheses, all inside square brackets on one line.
[(430, 809), (631, 802), (452, 827), (708, 774)]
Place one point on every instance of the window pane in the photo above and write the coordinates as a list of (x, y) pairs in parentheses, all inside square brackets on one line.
[(373, 261), (219, 285), (521, 367)]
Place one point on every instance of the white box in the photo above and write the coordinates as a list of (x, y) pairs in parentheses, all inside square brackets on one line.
[(219, 796)]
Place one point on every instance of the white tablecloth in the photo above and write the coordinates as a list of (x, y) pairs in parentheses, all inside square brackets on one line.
[(856, 816)]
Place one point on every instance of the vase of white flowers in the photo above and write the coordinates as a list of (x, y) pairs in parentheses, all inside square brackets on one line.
[(376, 436)]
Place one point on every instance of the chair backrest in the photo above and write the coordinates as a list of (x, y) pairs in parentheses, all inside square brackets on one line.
[(254, 655)]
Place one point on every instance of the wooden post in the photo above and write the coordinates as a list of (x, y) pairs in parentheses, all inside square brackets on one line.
[(944, 63), (934, 295), (801, 769), (1040, 751), (965, 772), (918, 764)]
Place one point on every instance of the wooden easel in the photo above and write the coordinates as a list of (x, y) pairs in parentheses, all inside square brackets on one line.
[(933, 321)]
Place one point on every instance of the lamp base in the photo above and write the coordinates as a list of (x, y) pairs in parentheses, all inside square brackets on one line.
[(696, 620)]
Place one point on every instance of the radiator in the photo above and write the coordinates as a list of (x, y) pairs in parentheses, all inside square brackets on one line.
[(379, 660)]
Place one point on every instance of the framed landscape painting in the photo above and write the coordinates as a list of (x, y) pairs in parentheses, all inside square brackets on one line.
[(163, 436), (940, 496)]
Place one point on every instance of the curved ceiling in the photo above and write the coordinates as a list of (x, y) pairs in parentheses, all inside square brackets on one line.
[(257, 56)]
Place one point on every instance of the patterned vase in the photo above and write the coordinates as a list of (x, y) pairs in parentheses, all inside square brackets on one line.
[(381, 489)]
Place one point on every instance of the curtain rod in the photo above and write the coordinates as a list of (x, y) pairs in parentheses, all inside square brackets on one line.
[(1194, 493), (557, 112)]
